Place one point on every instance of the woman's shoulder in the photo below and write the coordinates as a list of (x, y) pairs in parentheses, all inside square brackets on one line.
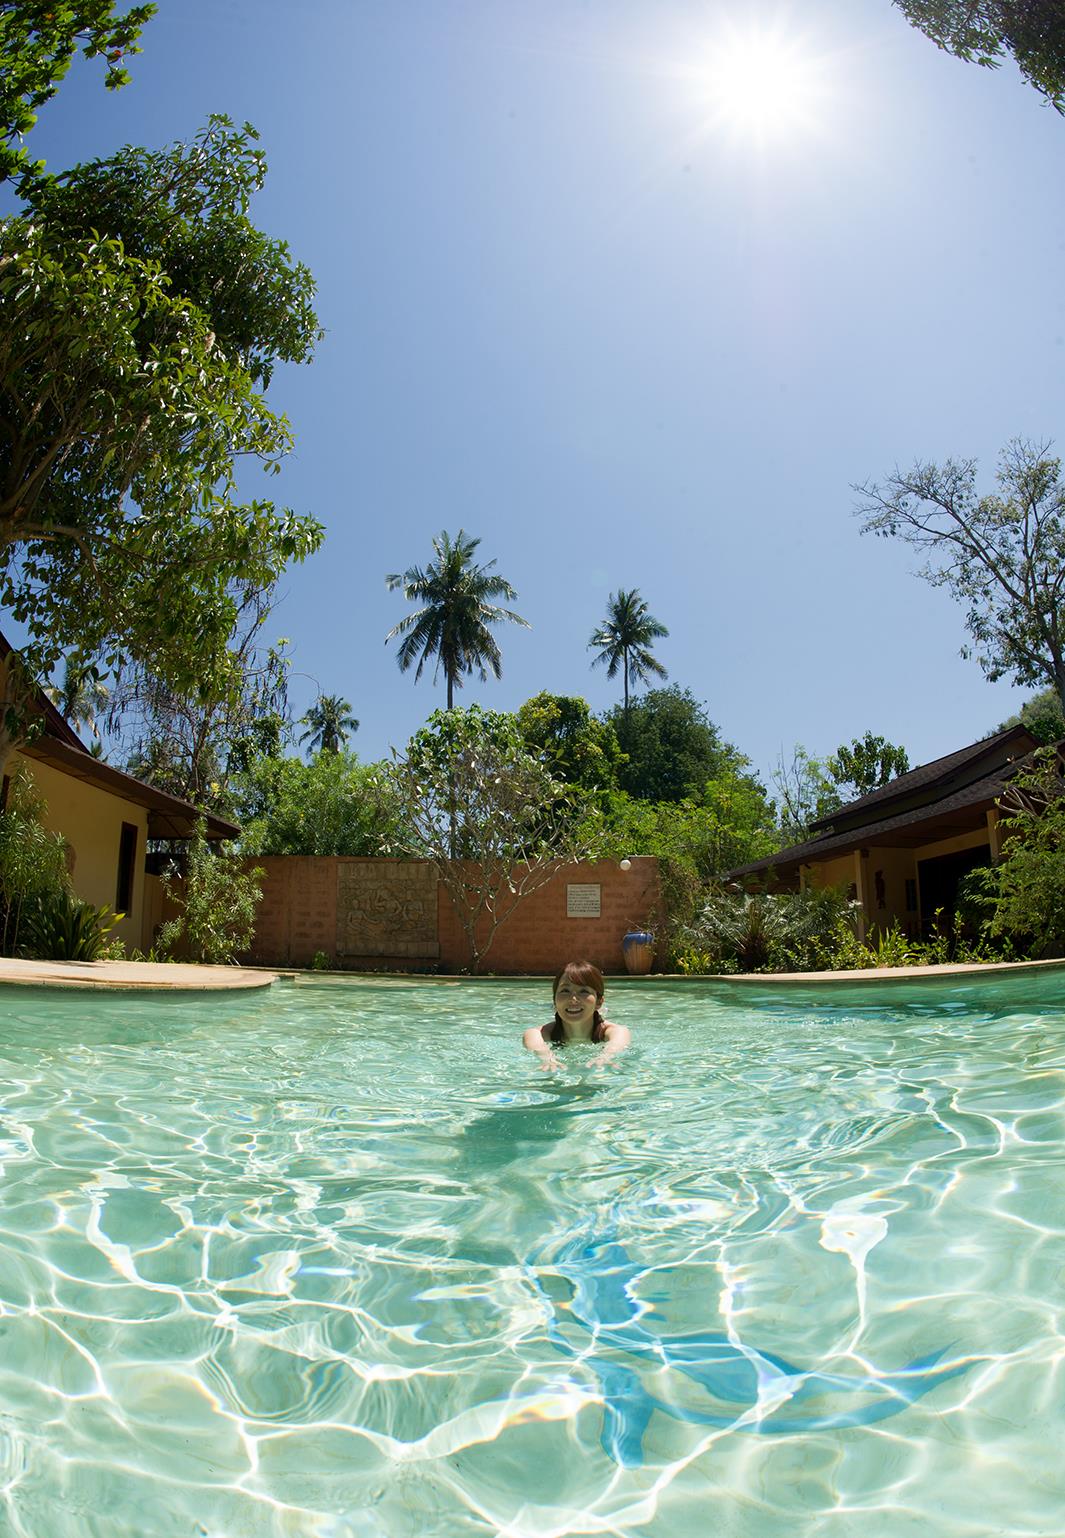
[(614, 1032), (537, 1035)]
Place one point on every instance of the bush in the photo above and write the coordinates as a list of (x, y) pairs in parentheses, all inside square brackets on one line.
[(217, 899), (33, 864), (60, 928), (1021, 899), (780, 932)]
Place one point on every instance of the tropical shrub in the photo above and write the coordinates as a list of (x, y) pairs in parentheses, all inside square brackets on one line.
[(331, 806), (216, 901), (782, 932), (1022, 897), (61, 928), (33, 863)]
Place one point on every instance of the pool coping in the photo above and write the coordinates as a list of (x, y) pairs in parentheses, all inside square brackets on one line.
[(943, 970), (179, 977), (132, 976)]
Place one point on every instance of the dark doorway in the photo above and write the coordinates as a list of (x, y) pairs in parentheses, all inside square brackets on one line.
[(939, 879), (127, 864)]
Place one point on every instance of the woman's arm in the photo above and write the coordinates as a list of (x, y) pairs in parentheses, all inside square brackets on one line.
[(618, 1037), (533, 1041)]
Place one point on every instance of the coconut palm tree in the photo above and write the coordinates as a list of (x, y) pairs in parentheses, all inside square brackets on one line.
[(452, 623), (82, 697), (624, 640), (329, 723)]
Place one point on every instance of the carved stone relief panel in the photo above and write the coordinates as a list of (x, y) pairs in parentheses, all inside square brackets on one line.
[(386, 908)]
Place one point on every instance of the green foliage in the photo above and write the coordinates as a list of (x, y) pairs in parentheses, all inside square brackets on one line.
[(453, 622), (191, 745), (867, 764), (767, 932), (38, 41), (331, 806), (320, 962), (488, 814), (1042, 715), (33, 863), (578, 749), (1022, 896), (984, 31), (329, 723), (142, 313), (217, 901), (1002, 556), (60, 928), (624, 639), (672, 746), (805, 793)]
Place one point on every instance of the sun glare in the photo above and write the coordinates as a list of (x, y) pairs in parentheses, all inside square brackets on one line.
[(761, 84)]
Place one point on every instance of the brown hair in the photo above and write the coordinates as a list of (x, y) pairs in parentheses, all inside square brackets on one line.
[(585, 975)]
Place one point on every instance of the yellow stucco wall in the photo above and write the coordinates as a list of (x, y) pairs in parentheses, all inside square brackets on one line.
[(90, 819), (897, 865)]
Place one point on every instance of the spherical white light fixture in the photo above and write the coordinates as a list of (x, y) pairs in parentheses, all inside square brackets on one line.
[(626, 864)]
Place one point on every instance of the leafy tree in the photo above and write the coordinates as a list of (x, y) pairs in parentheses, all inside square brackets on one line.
[(1042, 715), (142, 313), (579, 749), (805, 794), (453, 623), (866, 764), (488, 814), (1002, 555), (332, 806), (1023, 893), (190, 743), (217, 899), (329, 723), (82, 697), (38, 41), (1032, 31), (33, 863), (672, 745), (624, 640)]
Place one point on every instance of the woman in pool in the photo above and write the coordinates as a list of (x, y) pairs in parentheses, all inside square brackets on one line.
[(578, 994)]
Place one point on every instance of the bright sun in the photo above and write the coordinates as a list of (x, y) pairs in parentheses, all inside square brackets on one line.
[(761, 84)]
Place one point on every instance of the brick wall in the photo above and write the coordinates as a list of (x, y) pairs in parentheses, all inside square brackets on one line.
[(298, 916)]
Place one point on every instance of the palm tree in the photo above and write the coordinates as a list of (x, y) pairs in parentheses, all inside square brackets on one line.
[(452, 624), (82, 697), (329, 723), (624, 640)]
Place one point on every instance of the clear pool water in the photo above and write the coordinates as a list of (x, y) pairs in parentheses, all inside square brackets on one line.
[(342, 1261)]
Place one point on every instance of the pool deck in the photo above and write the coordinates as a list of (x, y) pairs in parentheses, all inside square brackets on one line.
[(175, 977), (137, 976)]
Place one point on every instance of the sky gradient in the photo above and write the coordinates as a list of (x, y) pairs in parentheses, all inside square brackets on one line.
[(629, 340)]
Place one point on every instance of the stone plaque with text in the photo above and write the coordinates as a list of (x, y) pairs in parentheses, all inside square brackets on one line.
[(583, 900)]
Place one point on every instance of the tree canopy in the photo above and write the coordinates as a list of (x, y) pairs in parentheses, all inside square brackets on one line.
[(577, 747), (38, 41), (624, 640), (1002, 554), (142, 315), (986, 31), (331, 806), (454, 621), (671, 744), (329, 723), (1042, 715), (487, 813), (865, 764)]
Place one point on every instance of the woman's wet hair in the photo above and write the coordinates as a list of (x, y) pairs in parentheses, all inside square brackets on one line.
[(582, 974)]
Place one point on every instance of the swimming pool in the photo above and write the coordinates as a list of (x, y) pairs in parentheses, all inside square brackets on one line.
[(342, 1261)]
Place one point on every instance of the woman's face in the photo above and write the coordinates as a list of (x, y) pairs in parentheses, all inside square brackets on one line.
[(576, 1005)]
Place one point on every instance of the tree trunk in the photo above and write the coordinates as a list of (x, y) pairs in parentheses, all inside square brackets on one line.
[(625, 663)]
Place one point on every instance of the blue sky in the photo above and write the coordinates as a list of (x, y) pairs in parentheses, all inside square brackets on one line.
[(630, 338)]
